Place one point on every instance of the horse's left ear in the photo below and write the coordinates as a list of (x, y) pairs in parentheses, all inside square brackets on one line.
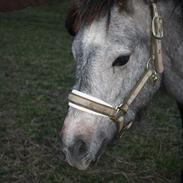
[(71, 22)]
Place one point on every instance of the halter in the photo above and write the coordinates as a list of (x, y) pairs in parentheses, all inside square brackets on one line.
[(96, 106)]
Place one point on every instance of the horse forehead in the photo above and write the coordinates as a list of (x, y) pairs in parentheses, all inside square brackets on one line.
[(95, 33)]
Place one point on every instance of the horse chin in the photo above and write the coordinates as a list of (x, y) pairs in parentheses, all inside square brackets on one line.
[(84, 165), (81, 164)]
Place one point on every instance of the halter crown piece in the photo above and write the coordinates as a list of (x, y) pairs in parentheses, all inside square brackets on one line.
[(87, 103)]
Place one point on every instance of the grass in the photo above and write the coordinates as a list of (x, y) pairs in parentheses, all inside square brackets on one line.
[(36, 73)]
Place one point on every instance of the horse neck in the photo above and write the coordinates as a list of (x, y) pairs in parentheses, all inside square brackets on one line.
[(173, 48), (173, 31)]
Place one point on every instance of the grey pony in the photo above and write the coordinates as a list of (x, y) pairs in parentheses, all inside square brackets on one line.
[(84, 136)]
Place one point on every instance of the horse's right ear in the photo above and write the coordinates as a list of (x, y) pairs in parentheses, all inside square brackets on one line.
[(71, 22)]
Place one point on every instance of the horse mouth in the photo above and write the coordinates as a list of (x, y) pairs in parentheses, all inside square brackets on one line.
[(86, 161), (100, 151)]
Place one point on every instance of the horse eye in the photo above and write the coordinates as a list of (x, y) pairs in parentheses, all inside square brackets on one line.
[(121, 60)]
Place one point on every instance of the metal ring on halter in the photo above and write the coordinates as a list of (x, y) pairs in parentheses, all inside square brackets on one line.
[(157, 27)]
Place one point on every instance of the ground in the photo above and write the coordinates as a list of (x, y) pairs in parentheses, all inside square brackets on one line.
[(36, 73)]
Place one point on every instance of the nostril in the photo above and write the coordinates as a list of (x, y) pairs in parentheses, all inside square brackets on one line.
[(80, 148)]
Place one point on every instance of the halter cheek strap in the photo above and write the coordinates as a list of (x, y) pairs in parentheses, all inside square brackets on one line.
[(96, 106)]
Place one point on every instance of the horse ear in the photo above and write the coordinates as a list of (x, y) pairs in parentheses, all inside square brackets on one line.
[(71, 22)]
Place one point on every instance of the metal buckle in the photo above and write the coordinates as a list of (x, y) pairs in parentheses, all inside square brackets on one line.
[(125, 127), (154, 76), (118, 118), (120, 121), (157, 27)]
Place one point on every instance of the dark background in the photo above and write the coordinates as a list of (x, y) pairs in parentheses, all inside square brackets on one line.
[(36, 73)]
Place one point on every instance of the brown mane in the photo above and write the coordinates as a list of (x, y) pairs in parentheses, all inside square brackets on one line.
[(85, 11)]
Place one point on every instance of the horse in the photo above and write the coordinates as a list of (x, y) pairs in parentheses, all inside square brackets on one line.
[(125, 51)]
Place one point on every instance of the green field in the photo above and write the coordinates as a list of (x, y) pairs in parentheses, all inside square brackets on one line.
[(36, 73)]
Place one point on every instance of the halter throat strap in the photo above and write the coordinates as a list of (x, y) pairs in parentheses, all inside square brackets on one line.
[(94, 105)]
